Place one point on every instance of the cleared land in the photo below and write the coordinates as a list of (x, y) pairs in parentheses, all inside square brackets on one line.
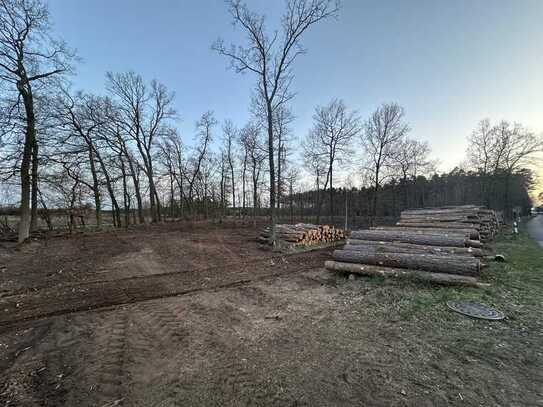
[(195, 314)]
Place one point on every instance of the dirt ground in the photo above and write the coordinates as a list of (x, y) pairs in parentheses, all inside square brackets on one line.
[(199, 315)]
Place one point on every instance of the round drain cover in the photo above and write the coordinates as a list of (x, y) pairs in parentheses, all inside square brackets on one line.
[(475, 309)]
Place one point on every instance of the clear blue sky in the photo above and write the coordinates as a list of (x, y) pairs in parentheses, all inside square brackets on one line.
[(450, 63)]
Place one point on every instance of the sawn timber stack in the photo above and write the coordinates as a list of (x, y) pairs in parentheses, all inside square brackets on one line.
[(303, 234)]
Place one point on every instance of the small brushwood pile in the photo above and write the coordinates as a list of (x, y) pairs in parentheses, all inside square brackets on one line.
[(303, 234), (441, 245)]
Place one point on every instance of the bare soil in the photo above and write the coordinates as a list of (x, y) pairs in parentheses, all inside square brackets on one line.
[(200, 315)]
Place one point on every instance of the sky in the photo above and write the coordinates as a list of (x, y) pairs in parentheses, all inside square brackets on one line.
[(448, 63)]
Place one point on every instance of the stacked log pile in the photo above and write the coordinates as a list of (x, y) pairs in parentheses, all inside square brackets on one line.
[(303, 234), (441, 245), (482, 220)]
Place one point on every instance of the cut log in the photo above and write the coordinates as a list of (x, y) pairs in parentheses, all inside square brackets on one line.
[(415, 238), (471, 233), (468, 251), (438, 278), (447, 215), (425, 262), (440, 225), (442, 212), (395, 249)]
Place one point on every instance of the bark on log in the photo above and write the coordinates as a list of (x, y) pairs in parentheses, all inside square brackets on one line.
[(425, 262), (438, 278), (468, 251), (449, 209), (444, 217), (440, 225), (471, 233), (415, 238), (372, 249)]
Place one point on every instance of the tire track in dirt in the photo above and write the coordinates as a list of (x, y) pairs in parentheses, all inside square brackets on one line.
[(161, 323), (115, 350), (84, 297), (208, 363), (105, 373)]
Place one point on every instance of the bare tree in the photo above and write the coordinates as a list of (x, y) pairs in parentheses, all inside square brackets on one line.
[(28, 56), (243, 158), (283, 117), (167, 153), (118, 140), (410, 160), (178, 150), (383, 133), (205, 136), (333, 131), (501, 150), (82, 121), (145, 115), (482, 146), (250, 139), (315, 164), (291, 178), (230, 135), (483, 155), (271, 58), (519, 148)]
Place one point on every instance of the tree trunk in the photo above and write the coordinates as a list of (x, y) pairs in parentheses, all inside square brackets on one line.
[(243, 181), (34, 192), (405, 191), (506, 198), (126, 198), (95, 188), (279, 173), (346, 227), (331, 196), (181, 197), (158, 206), (291, 192), (427, 262), (233, 188), (318, 203), (152, 202), (136, 182), (255, 198), (438, 278), (172, 196), (375, 197), (30, 135), (116, 211), (271, 160), (46, 215)]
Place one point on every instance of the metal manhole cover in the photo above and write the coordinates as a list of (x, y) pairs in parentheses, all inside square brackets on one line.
[(475, 309)]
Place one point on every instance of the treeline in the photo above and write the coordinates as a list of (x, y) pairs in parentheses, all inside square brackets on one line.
[(119, 152), (459, 187)]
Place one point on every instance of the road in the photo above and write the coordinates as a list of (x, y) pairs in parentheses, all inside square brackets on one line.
[(535, 228)]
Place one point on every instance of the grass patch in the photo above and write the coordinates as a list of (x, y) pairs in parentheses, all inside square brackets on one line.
[(516, 285)]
